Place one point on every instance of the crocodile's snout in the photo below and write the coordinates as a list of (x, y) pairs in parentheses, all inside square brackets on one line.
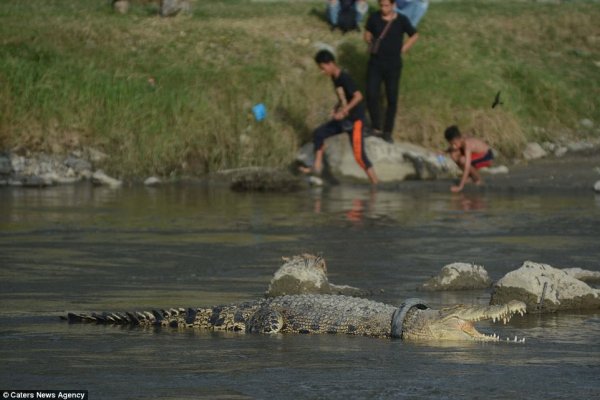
[(462, 318)]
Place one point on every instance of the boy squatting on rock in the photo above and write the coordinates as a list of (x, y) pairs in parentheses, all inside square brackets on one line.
[(347, 116), (469, 153)]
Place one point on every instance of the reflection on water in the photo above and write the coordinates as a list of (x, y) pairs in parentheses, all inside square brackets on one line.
[(78, 248), (468, 202)]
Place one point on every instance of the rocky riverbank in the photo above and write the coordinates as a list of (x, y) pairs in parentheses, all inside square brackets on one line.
[(26, 169), (546, 166), (564, 165), (39, 170)]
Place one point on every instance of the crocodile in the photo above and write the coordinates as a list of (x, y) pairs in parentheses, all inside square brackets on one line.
[(316, 313)]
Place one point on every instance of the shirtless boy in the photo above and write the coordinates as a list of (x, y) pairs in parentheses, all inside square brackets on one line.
[(470, 154)]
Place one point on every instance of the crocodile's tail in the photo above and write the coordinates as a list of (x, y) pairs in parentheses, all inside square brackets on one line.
[(174, 317)]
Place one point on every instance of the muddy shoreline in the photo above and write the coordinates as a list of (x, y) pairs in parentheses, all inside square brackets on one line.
[(573, 172)]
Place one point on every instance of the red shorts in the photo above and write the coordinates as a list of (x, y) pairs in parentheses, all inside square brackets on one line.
[(481, 160)]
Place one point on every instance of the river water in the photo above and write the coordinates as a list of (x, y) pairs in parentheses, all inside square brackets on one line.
[(79, 248)]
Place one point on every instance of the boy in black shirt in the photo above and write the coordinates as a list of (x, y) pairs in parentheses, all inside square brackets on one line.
[(347, 116)]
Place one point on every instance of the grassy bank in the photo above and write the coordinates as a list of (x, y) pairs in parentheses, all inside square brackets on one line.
[(174, 96)]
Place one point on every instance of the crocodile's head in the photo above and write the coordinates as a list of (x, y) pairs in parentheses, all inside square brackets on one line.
[(458, 322)]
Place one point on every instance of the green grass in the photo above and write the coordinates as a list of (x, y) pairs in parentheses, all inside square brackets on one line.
[(77, 74)]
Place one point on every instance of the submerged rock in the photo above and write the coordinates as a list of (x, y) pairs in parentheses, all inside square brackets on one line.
[(545, 289), (262, 179), (306, 274), (597, 186), (459, 276)]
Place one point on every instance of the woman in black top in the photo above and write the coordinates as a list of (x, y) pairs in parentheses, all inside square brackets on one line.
[(385, 35)]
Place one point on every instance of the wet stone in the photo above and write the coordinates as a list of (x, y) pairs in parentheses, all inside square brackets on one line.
[(78, 164), (31, 181), (5, 164)]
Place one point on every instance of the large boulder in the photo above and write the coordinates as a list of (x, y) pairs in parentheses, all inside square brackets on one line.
[(392, 162), (306, 274), (459, 276), (545, 289)]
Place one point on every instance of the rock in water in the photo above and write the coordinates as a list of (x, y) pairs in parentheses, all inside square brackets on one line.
[(545, 289), (153, 181), (100, 178), (262, 179), (306, 274)]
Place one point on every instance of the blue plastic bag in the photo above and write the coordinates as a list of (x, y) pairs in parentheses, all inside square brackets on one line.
[(259, 111)]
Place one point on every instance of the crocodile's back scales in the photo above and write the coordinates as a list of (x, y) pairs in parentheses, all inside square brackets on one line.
[(334, 314)]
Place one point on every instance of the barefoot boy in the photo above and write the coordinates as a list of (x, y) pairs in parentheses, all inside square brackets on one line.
[(470, 154), (347, 116)]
